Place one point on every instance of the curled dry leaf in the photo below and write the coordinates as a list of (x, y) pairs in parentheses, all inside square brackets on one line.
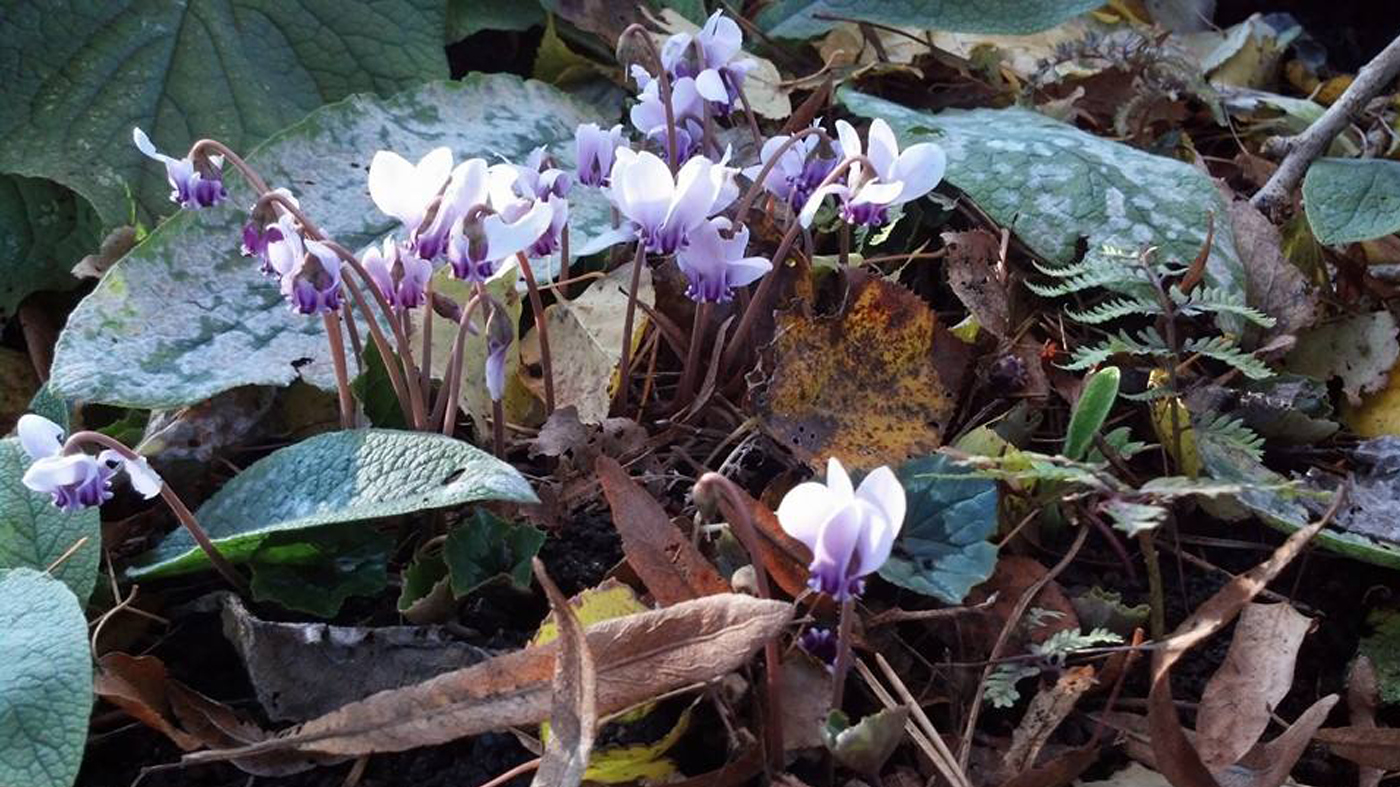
[(1273, 285), (1373, 747), (861, 385), (1363, 697), (1256, 674), (638, 656), (574, 718), (665, 560)]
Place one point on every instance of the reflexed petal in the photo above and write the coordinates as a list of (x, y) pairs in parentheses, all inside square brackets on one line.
[(696, 190), (143, 144), (711, 87), (40, 437), (878, 193), (876, 540), (838, 481), (803, 511), (882, 489), (674, 49), (814, 202), (836, 545), (748, 270), (920, 168), (646, 188), (721, 39), (505, 239), (144, 480), (53, 472), (882, 148), (391, 185), (850, 140), (378, 269), (433, 169)]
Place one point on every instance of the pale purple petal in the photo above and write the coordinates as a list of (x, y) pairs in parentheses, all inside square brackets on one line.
[(803, 511), (710, 86), (814, 202), (748, 270), (838, 481), (40, 437), (882, 489), (882, 148), (920, 167)]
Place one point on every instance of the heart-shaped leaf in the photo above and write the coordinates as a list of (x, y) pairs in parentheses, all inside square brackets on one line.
[(1349, 200), (942, 550), (808, 18), (45, 681), (335, 478), (184, 316)]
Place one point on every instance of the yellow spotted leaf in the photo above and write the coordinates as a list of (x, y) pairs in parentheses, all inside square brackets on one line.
[(860, 385), (1188, 459)]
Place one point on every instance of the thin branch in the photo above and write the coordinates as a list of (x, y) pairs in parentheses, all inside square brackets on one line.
[(1304, 148)]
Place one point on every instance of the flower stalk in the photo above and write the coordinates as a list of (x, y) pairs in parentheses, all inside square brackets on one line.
[(541, 328), (625, 363)]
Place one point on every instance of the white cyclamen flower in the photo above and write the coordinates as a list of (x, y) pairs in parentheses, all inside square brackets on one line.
[(76, 480), (899, 176), (404, 190), (849, 530), (662, 208)]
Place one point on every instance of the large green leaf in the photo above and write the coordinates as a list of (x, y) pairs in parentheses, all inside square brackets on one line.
[(316, 571), (808, 18), (184, 317), (1349, 200), (943, 551), (81, 74), (1056, 186), (336, 478), (45, 681), (34, 533), (44, 230), (469, 17)]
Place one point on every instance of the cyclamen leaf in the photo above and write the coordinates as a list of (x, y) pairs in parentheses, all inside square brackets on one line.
[(1056, 186), (805, 18), (943, 551), (34, 533), (336, 478), (184, 316), (82, 74), (1349, 200), (44, 230), (45, 681)]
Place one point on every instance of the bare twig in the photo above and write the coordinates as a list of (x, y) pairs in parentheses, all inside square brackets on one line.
[(1303, 149)]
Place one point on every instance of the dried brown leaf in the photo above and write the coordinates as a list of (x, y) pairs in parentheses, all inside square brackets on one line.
[(574, 718), (1363, 698), (139, 686), (1273, 285), (1373, 747), (1173, 753), (1043, 716), (971, 263), (638, 656), (1255, 676), (665, 560)]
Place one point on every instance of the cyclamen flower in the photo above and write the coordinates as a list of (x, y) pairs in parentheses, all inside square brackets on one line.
[(797, 173), (76, 481), (820, 644), (407, 191), (594, 150), (515, 190), (718, 77), (194, 185), (648, 115), (899, 177), (400, 275), (313, 286), (466, 189), (664, 209), (538, 178), (549, 241), (262, 229), (478, 242), (499, 337), (850, 531), (715, 264)]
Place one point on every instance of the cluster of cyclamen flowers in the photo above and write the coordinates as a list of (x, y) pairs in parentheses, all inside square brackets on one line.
[(478, 214)]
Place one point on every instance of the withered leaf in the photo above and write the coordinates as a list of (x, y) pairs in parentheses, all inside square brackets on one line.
[(638, 656), (670, 566), (1173, 752), (1256, 674), (574, 718), (972, 275), (1273, 284), (860, 385), (1044, 715), (1373, 747)]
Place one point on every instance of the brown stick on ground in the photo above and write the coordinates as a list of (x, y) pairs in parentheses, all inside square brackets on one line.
[(1301, 150)]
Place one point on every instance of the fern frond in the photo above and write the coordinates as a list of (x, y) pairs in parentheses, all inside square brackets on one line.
[(1214, 300), (1224, 349), (1231, 431), (1147, 343), (1114, 309)]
